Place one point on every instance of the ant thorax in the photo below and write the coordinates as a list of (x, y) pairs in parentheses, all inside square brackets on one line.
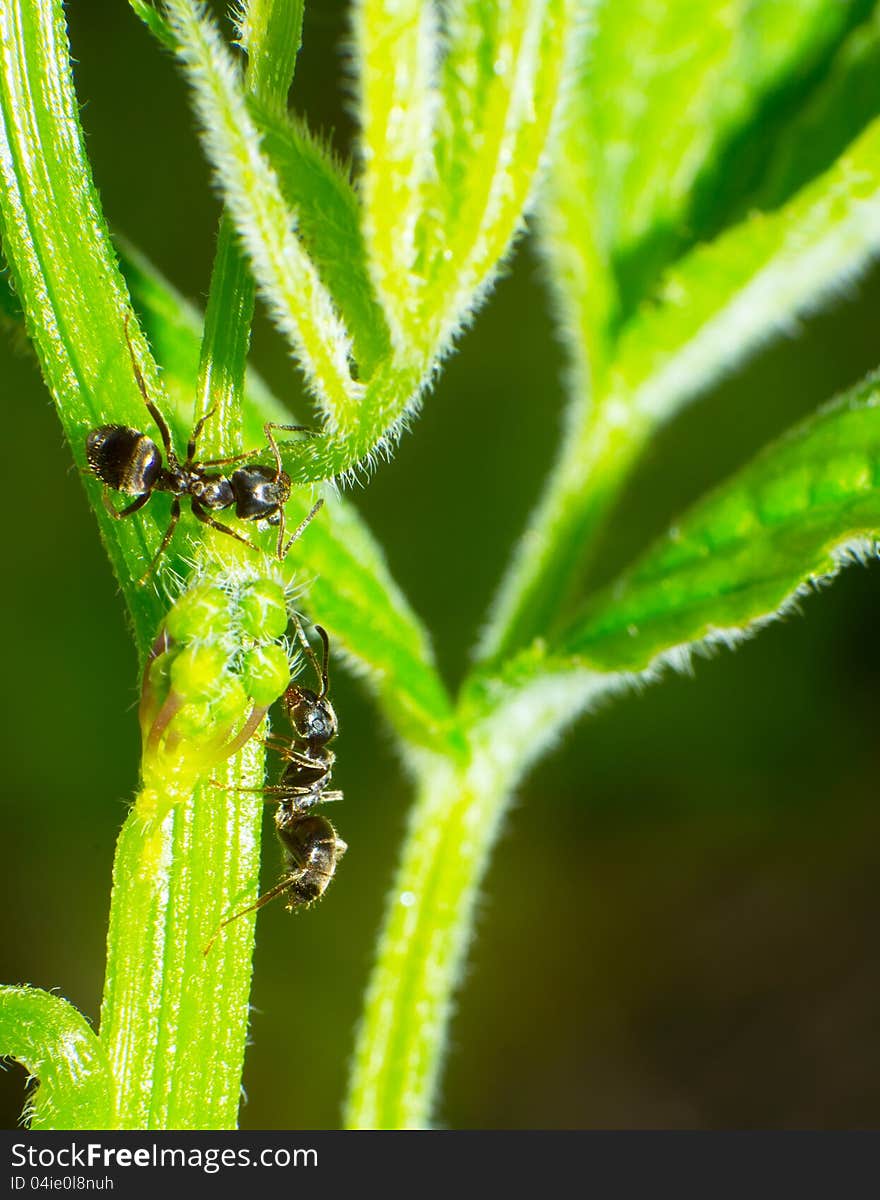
[(213, 491)]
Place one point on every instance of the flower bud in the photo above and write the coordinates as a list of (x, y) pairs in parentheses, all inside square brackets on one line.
[(263, 610), (266, 672), (202, 611), (197, 670)]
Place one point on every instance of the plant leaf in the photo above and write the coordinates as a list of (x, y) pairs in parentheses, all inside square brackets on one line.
[(744, 556), (270, 32), (841, 105), (155, 22), (319, 191), (298, 299), (56, 1044), (270, 35), (397, 51), (667, 96), (784, 525), (722, 301), (507, 66)]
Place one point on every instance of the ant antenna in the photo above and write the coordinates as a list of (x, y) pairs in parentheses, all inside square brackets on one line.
[(325, 661), (321, 671), (134, 362)]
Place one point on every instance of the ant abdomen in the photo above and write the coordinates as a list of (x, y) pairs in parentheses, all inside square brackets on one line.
[(312, 849), (124, 459)]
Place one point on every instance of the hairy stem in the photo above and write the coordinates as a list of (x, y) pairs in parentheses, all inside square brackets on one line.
[(174, 1019), (422, 949)]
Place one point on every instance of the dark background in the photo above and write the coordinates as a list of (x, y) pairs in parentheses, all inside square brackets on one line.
[(680, 925)]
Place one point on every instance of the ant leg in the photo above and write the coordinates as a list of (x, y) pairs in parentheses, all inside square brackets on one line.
[(270, 438), (170, 452), (119, 514), (279, 468), (200, 515), (282, 549), (278, 746), (161, 423), (306, 645), (301, 800), (264, 899), (169, 533), (231, 458), (271, 790)]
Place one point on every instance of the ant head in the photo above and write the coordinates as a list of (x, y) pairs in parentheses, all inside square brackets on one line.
[(311, 713), (259, 493), (311, 716)]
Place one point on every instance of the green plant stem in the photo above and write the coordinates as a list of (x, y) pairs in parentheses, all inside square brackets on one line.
[(594, 462), (422, 948), (430, 910), (174, 1019)]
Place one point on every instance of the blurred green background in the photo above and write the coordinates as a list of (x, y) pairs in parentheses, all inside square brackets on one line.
[(679, 928)]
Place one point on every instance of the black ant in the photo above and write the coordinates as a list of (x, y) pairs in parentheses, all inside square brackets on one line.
[(310, 844), (129, 461)]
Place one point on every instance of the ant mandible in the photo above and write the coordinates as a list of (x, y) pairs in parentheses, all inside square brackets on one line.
[(310, 844), (129, 461)]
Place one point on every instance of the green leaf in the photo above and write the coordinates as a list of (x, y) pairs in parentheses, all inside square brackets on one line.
[(155, 22), (290, 282), (397, 53), (270, 35), (354, 595), (319, 191), (718, 305), (842, 104), (508, 65), (364, 419), (56, 1044), (666, 97), (783, 526)]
